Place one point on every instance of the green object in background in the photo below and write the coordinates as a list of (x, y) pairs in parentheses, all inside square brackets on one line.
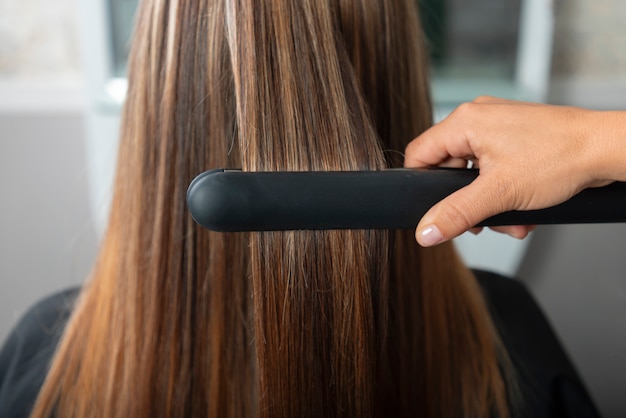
[(122, 13), (433, 16)]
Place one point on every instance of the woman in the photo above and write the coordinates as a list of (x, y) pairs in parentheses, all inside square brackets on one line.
[(179, 321)]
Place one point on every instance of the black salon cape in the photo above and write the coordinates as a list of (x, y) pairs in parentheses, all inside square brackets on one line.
[(547, 379)]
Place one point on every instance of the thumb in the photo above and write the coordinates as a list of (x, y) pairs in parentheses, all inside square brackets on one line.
[(459, 212)]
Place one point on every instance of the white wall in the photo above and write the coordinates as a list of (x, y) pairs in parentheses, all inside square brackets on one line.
[(46, 238), (47, 241), (38, 39)]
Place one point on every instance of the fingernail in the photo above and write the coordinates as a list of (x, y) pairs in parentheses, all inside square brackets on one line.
[(430, 236)]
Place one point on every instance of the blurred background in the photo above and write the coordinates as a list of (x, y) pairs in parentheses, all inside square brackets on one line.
[(62, 68)]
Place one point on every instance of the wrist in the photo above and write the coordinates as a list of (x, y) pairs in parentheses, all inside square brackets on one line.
[(606, 132)]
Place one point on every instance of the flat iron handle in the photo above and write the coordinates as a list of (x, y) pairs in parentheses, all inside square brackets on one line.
[(235, 201)]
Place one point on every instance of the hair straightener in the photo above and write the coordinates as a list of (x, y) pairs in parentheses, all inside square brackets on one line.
[(235, 201)]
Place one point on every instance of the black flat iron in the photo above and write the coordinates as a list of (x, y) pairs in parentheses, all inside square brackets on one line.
[(235, 201)]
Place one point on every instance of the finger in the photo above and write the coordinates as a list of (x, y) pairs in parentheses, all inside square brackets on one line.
[(454, 163), (477, 230), (515, 231), (459, 212), (443, 141), (491, 100), (500, 100)]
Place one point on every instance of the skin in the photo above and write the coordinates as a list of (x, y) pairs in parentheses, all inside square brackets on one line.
[(530, 156)]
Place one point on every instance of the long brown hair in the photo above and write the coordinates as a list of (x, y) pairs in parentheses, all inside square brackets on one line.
[(180, 321)]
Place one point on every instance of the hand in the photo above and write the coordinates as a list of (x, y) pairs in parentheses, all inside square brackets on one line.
[(530, 156)]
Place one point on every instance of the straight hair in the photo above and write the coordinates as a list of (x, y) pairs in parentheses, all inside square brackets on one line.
[(178, 321)]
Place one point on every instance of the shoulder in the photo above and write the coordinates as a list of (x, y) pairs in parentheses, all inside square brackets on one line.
[(549, 383), (520, 321), (26, 354), (511, 304), (43, 321)]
